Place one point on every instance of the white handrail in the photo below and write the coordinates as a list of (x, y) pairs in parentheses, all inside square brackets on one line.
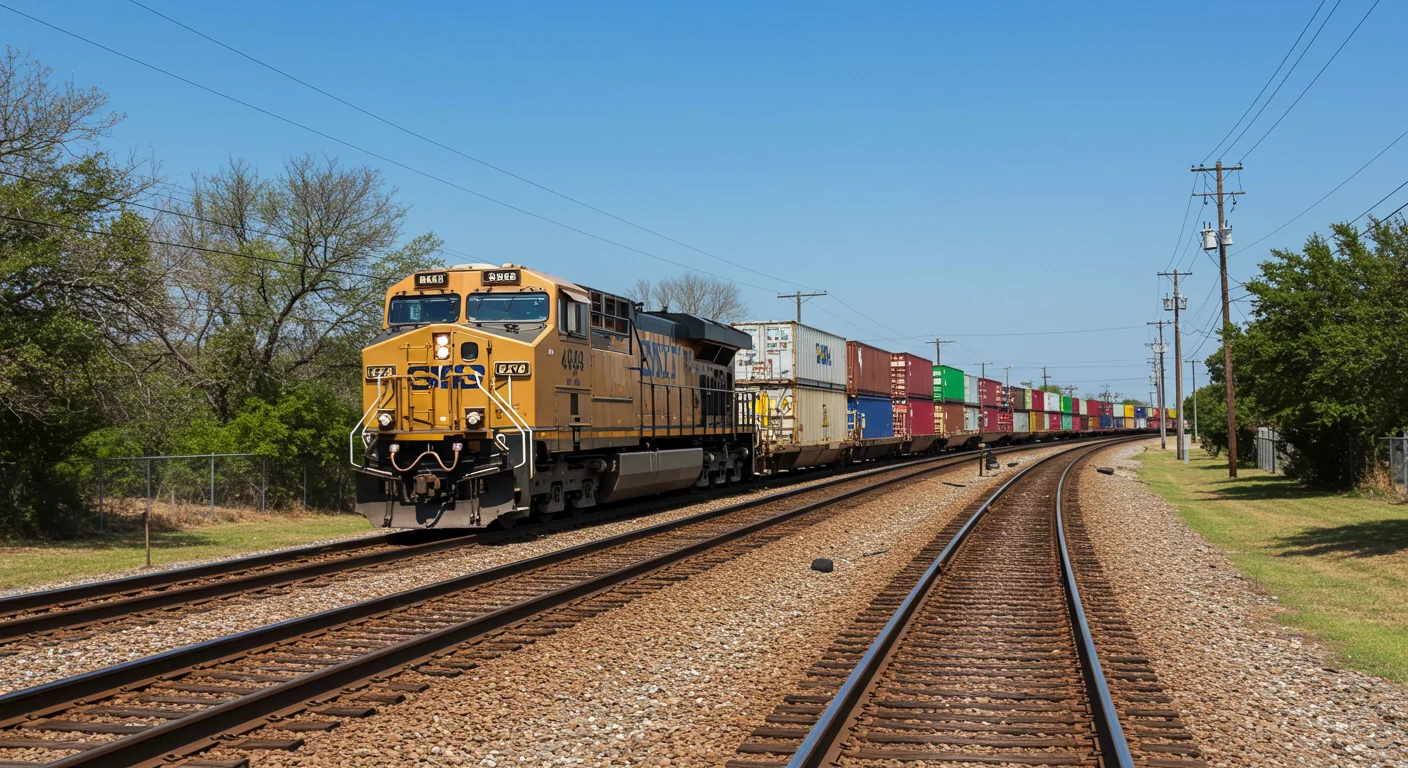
[(352, 436), (525, 434)]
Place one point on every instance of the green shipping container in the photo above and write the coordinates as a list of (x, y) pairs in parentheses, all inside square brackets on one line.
[(1066, 408), (948, 384), (1066, 417)]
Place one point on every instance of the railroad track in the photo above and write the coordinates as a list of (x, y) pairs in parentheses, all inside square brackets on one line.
[(54, 617), (1000, 643), (309, 673)]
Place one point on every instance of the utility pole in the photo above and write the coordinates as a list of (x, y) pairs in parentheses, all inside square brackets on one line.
[(1224, 238), (1044, 377), (798, 296), (1007, 383), (1159, 384), (1178, 304), (1193, 369), (1070, 391), (939, 349), (983, 368)]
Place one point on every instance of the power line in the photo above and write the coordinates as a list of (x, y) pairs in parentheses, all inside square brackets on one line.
[(1183, 227), (1022, 333), (455, 151), (380, 157), (1291, 50), (1272, 97), (1248, 153), (1381, 200)]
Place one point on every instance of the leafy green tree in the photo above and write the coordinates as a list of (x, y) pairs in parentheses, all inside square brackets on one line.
[(1324, 355)]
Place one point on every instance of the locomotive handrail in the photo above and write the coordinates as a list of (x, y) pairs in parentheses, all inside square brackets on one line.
[(525, 434), (352, 436)]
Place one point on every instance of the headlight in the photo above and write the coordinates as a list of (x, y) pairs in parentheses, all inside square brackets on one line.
[(442, 353), (473, 417), (385, 419), (442, 339)]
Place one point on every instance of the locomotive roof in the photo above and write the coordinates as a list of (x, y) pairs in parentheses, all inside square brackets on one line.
[(692, 327)]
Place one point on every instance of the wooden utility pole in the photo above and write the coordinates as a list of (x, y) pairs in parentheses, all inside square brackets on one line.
[(1226, 308), (1044, 377), (983, 368), (1007, 382), (1179, 303), (798, 296), (939, 349)]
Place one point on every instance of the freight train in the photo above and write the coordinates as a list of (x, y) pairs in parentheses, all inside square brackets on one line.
[(498, 393)]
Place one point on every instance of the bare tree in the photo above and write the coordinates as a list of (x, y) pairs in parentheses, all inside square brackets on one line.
[(693, 294), (39, 122)]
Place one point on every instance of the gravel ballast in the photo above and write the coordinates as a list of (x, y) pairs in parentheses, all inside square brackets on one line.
[(37, 663), (1253, 693), (677, 676)]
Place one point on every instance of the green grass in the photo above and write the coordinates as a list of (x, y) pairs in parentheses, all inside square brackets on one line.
[(1338, 562), (42, 563)]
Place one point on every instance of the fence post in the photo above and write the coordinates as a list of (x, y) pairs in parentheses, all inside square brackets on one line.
[(212, 486), (100, 495), (305, 483), (263, 480), (147, 516)]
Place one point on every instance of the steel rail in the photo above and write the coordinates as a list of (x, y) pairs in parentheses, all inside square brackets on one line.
[(826, 734), (1109, 733), (198, 730)]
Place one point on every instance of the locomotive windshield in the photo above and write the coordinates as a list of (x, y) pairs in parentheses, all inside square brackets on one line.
[(506, 307), (410, 310)]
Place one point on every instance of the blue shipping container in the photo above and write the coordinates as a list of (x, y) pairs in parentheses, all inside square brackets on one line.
[(1107, 422), (1140, 412), (871, 416), (1119, 422)]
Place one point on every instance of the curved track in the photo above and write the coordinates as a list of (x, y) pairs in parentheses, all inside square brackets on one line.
[(307, 673), (983, 652)]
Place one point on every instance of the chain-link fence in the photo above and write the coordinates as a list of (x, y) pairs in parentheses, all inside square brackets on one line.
[(1398, 461), (1271, 451), (222, 486)]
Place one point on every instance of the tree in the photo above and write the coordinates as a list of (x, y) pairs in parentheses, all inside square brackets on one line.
[(1324, 354), (280, 280), (1052, 388), (76, 284), (693, 294)]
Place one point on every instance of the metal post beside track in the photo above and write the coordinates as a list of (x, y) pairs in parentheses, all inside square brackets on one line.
[(147, 516)]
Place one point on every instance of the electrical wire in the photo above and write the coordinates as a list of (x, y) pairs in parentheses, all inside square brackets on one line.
[(1272, 97), (458, 152), (1381, 200), (376, 155), (1248, 110), (1248, 153)]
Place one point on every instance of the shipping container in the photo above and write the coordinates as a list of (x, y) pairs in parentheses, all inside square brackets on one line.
[(1038, 400), (797, 415), (948, 384), (910, 376), (1107, 409), (1107, 422), (1066, 422), (788, 353), (990, 393), (1141, 412), (970, 419), (1038, 422), (1128, 411), (1140, 423), (970, 390), (1053, 422), (950, 418), (1065, 404), (867, 370), (914, 416), (1076, 406), (1020, 398), (1173, 413), (870, 416), (995, 419), (1021, 421)]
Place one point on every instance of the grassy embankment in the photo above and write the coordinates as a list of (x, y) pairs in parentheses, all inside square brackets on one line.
[(1338, 562), (41, 563)]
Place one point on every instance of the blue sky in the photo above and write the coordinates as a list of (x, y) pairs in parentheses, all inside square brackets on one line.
[(995, 169)]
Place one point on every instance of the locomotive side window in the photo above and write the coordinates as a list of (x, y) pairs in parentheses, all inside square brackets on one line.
[(571, 316), (611, 322), (412, 310)]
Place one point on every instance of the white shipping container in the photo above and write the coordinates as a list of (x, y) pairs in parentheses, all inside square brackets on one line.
[(1141, 423), (970, 390), (1078, 407), (798, 415), (1021, 421), (785, 352), (970, 419)]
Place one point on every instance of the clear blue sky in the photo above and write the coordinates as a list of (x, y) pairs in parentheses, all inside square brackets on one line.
[(991, 169)]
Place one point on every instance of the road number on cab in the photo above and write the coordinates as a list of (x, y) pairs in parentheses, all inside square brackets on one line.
[(380, 371), (500, 277), (574, 359), (511, 369)]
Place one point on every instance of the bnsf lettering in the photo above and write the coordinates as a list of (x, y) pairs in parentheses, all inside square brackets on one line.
[(659, 361), (823, 354), (425, 377)]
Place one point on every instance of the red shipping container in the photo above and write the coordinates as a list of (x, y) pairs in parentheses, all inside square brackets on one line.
[(952, 417), (1038, 400), (1053, 422), (996, 420), (990, 393), (911, 376), (1154, 413), (868, 370), (914, 416)]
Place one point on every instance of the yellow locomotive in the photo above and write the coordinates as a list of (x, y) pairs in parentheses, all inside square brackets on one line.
[(495, 393)]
